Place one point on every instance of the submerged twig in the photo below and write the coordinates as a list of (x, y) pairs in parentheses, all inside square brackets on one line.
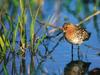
[(89, 17)]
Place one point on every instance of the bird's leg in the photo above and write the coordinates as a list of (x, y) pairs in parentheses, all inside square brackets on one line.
[(78, 52), (72, 51)]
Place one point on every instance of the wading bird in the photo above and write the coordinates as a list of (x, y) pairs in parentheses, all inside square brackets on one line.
[(75, 35)]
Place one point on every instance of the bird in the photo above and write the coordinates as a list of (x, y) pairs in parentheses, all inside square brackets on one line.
[(74, 34)]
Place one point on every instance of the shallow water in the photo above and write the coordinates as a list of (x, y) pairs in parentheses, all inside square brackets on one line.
[(55, 63)]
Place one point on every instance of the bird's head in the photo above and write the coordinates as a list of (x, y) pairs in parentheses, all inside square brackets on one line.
[(68, 27)]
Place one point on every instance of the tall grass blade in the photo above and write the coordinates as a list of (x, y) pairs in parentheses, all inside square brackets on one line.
[(32, 26), (15, 34), (5, 70), (39, 41)]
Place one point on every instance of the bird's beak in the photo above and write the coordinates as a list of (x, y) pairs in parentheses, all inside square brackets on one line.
[(62, 29)]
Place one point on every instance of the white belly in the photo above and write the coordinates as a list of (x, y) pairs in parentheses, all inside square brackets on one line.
[(76, 41)]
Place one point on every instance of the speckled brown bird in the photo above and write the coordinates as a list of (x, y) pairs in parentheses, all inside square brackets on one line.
[(75, 34)]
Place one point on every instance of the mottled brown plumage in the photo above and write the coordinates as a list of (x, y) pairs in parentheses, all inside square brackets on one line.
[(75, 34)]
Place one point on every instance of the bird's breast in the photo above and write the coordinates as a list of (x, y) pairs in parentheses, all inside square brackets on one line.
[(73, 38)]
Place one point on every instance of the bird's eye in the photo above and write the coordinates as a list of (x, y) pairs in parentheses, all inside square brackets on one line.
[(66, 27)]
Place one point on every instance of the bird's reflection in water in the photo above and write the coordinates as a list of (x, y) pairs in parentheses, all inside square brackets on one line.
[(76, 68)]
